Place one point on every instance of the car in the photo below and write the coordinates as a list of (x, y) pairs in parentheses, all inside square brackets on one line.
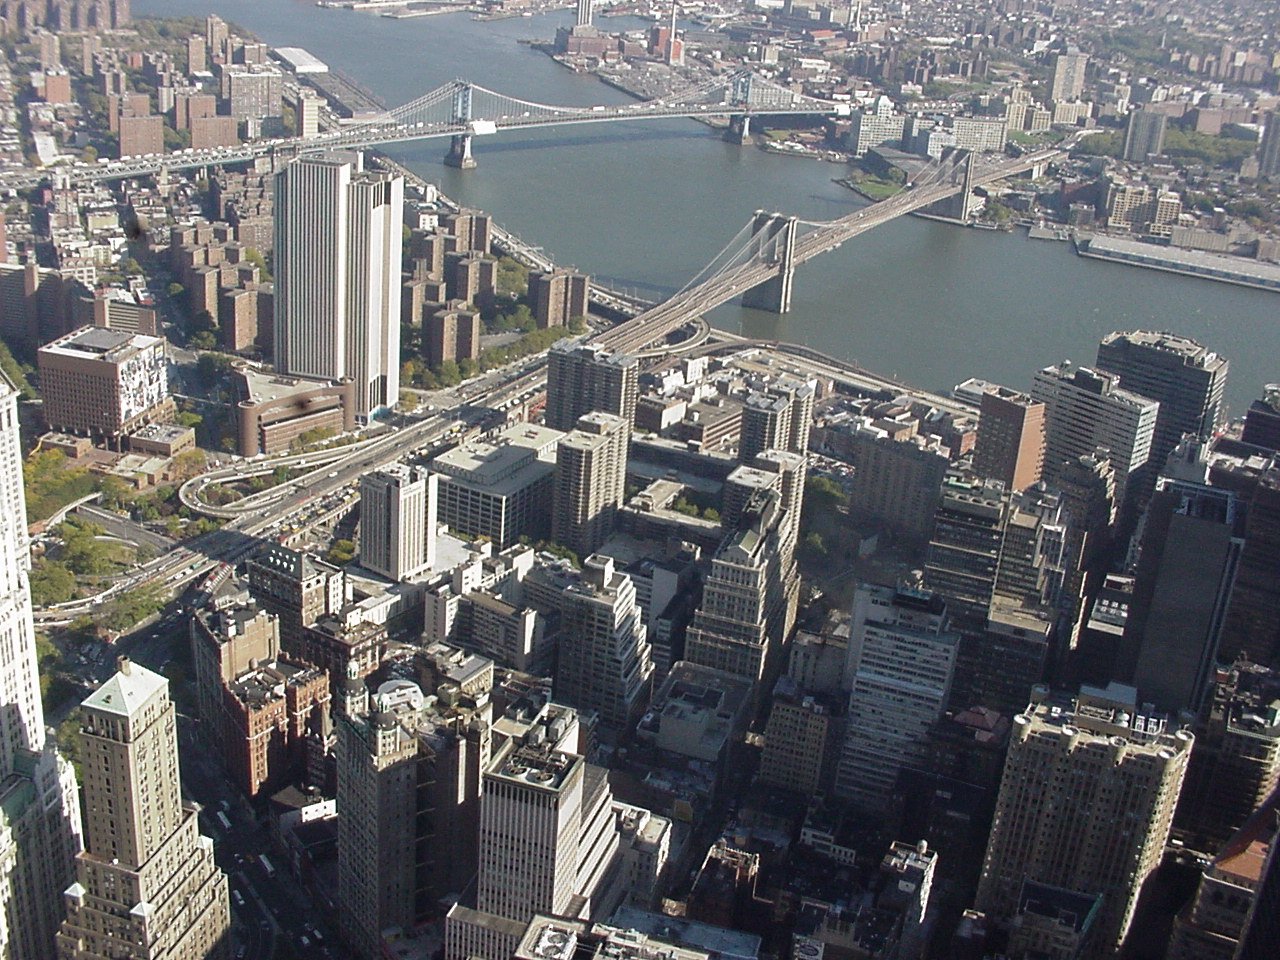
[(304, 941), (238, 897)]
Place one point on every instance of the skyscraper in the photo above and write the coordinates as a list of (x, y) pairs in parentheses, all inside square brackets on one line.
[(1068, 76), (548, 841), (584, 13), (146, 884), (898, 672), (1191, 546), (1010, 445), (1144, 135), (1088, 409), (40, 826), (337, 275), (750, 595), (409, 791), (591, 478), (1269, 149), (582, 379), (398, 521), (1187, 379), (604, 662), (1086, 802)]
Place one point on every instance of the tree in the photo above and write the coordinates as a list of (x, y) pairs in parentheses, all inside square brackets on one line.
[(342, 551), (408, 401), (254, 256), (51, 582), (177, 291), (449, 374), (189, 463), (211, 367)]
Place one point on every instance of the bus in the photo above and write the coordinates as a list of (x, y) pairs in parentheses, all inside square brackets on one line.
[(267, 868)]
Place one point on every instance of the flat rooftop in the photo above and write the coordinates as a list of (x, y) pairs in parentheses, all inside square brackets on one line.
[(261, 386), (100, 343), (300, 60), (518, 456)]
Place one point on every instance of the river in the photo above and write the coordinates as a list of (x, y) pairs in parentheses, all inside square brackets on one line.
[(645, 205)]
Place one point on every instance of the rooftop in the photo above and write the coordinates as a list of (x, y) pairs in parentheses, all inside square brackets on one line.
[(100, 343), (129, 688)]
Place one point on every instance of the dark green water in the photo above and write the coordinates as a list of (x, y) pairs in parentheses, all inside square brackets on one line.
[(646, 205)]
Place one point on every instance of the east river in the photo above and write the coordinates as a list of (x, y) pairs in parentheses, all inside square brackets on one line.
[(646, 205)]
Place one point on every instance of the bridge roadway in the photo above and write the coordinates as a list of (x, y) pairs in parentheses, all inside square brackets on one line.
[(670, 315), (365, 137)]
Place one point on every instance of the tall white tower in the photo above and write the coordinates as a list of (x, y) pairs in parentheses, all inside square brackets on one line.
[(40, 826), (337, 275)]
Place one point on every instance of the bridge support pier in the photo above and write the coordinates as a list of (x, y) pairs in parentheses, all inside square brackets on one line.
[(459, 154), (739, 130), (776, 237)]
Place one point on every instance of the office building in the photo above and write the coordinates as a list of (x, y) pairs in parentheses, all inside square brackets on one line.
[(1144, 135), (604, 661), (104, 383), (590, 481), (1086, 803), (499, 488), (559, 298), (409, 769), (548, 840), (998, 559), (146, 884), (584, 13), (898, 671), (337, 276), (750, 594), (398, 507), (1185, 378), (1191, 544), (586, 379), (1252, 630), (40, 829), (1236, 763), (1010, 445), (1068, 76), (1262, 420), (548, 937), (800, 738), (895, 482), (1087, 410)]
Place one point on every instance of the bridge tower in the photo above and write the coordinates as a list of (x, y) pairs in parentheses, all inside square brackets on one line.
[(739, 130), (775, 237), (459, 154)]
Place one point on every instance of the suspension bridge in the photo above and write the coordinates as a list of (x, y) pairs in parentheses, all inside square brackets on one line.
[(460, 111), (759, 263)]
